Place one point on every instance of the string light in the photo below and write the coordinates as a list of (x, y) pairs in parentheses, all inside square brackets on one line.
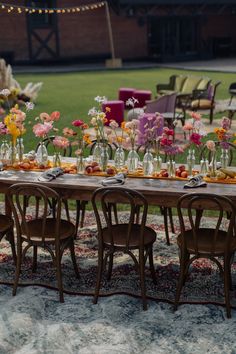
[(59, 10)]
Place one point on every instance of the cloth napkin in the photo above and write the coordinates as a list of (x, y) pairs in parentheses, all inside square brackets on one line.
[(51, 174), (118, 179), (195, 182)]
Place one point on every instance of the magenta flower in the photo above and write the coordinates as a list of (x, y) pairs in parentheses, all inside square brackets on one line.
[(77, 123), (195, 138)]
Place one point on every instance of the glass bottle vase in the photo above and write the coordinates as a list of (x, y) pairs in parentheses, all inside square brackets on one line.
[(12, 153), (224, 158), (42, 155), (148, 164), (212, 165), (56, 159), (20, 149), (80, 164), (104, 157), (171, 167), (190, 162), (119, 158), (204, 166), (4, 152), (97, 151), (157, 164), (132, 161)]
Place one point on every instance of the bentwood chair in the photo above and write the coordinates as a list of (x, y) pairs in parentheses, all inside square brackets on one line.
[(6, 229), (51, 233), (203, 242), (125, 236)]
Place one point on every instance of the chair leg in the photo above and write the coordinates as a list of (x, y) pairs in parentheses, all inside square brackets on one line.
[(35, 251), (211, 115), (11, 239), (59, 274), (65, 202), (83, 208), (164, 210), (110, 266), (73, 258), (142, 278), (151, 263), (227, 285), (99, 275), (181, 280), (18, 267), (171, 220)]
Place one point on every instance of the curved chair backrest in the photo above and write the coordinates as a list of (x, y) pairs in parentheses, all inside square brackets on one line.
[(163, 104), (49, 141), (202, 202), (37, 198), (135, 201), (206, 153)]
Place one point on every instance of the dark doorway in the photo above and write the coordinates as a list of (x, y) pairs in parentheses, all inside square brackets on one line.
[(173, 38)]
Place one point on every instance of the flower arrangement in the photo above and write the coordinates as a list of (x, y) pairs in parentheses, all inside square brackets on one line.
[(114, 132), (167, 143), (151, 131), (195, 129), (46, 124), (98, 119), (79, 137), (223, 134)]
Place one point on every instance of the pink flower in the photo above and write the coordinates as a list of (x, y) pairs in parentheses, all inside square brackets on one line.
[(20, 116), (188, 126), (196, 116), (210, 144), (168, 131), (45, 117), (113, 124), (77, 123), (41, 130), (55, 116), (3, 129), (69, 132), (225, 123), (195, 138), (61, 142)]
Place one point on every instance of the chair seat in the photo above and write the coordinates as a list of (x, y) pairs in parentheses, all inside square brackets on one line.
[(67, 229), (120, 235), (205, 238), (202, 103), (5, 223)]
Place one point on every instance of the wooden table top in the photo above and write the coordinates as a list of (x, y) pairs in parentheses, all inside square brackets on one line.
[(157, 191)]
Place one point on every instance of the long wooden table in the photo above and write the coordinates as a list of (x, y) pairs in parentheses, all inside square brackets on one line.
[(163, 192)]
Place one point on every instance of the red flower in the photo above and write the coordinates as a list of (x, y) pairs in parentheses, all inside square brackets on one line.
[(77, 123), (195, 138)]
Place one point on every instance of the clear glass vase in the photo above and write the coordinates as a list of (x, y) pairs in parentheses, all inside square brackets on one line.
[(204, 167), (119, 158), (157, 164), (80, 164), (20, 149), (56, 159), (104, 157), (171, 167), (4, 152), (212, 165), (42, 155), (12, 153), (97, 151), (132, 161), (148, 163), (224, 158), (191, 162)]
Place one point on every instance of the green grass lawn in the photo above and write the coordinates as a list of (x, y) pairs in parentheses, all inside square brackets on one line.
[(73, 94)]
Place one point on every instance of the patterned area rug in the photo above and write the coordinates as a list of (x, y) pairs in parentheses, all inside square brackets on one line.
[(204, 284)]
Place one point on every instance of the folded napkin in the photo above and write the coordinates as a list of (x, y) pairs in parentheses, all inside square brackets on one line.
[(51, 174), (195, 182), (118, 179)]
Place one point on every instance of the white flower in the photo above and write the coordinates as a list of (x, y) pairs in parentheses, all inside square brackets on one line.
[(100, 99), (131, 102), (5, 92), (29, 106), (92, 112), (94, 121)]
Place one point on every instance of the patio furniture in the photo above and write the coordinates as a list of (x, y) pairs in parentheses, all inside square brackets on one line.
[(115, 112), (125, 93), (142, 96), (52, 233), (232, 92), (6, 229), (201, 242), (125, 236)]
